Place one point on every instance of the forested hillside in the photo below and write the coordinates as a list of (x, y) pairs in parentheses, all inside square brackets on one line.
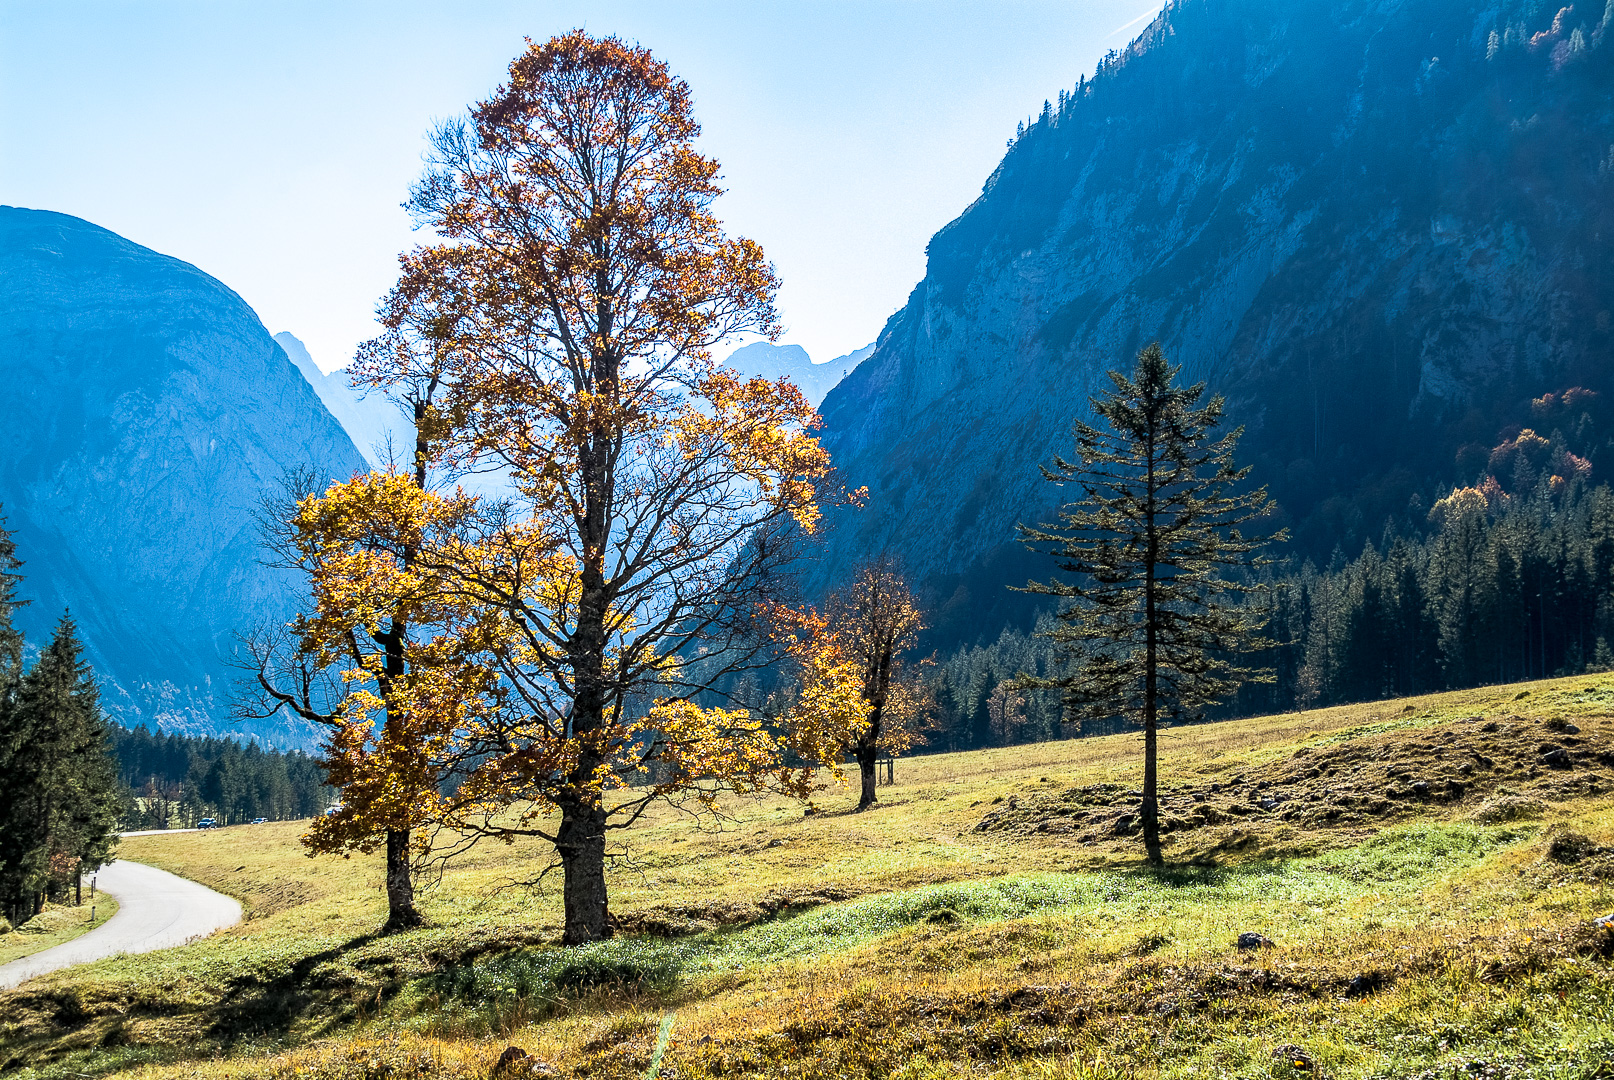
[(171, 781), (1384, 230), (1490, 587)]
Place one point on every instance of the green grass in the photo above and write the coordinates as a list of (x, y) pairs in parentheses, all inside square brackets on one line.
[(56, 925), (904, 943)]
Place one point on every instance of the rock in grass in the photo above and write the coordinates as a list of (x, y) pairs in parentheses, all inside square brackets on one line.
[(516, 1062), (1365, 983), (1252, 940), (1294, 1056)]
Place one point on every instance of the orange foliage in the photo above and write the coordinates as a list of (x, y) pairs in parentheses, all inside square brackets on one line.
[(564, 321)]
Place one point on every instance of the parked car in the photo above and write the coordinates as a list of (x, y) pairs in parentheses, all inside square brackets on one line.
[(260, 821), (329, 810), (207, 823)]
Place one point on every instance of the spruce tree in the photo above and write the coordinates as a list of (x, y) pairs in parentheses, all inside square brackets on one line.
[(61, 783), (1152, 628)]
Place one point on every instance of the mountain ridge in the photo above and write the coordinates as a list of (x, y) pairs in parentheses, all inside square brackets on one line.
[(1378, 230)]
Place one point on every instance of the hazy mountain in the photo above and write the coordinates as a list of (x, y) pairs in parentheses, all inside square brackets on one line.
[(370, 420), (792, 362), (1380, 226), (149, 413)]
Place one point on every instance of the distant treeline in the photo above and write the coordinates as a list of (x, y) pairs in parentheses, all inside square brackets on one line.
[(175, 780), (1500, 587)]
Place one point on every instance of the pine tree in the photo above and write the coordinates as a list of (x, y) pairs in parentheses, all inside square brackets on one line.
[(61, 783), (1152, 628)]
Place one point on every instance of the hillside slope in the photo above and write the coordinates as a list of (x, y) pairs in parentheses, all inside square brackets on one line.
[(150, 412), (1380, 226), (967, 926)]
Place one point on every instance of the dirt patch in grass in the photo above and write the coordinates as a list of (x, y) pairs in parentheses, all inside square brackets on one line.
[(1502, 766), (677, 920)]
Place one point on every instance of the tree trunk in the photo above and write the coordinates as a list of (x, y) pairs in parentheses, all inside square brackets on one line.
[(865, 768), (1151, 806), (401, 912), (581, 846)]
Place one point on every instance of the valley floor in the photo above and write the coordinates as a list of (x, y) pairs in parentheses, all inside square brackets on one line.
[(1427, 870)]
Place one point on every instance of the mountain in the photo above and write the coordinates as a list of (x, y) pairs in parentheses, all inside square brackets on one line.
[(149, 413), (792, 362), (371, 421), (1380, 227)]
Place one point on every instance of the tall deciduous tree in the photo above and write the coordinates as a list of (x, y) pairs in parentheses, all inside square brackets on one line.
[(360, 544), (564, 320), (387, 661), (1151, 627)]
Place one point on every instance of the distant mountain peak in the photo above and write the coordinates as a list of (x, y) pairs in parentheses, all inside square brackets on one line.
[(374, 423), (791, 362)]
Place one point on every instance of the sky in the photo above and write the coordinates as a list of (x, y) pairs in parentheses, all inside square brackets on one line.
[(271, 144)]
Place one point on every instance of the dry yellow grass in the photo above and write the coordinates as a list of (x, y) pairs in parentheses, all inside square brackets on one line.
[(903, 942)]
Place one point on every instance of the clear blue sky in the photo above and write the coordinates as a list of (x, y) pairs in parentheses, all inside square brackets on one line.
[(271, 143)]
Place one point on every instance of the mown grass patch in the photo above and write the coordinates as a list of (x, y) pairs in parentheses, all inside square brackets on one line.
[(56, 925)]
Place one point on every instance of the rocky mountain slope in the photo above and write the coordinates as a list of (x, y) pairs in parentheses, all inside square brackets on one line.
[(375, 425), (149, 413), (1381, 227)]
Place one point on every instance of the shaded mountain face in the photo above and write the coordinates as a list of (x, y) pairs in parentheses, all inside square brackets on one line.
[(1380, 227), (149, 412)]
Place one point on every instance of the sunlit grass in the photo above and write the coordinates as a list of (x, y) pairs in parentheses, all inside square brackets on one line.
[(900, 942), (56, 925)]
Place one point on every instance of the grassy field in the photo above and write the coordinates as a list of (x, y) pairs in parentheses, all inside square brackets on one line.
[(1427, 870), (57, 924)]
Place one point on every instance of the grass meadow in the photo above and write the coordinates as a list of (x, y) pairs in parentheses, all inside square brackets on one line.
[(1421, 937), (56, 925)]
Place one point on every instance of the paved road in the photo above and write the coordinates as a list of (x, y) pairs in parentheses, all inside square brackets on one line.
[(156, 910)]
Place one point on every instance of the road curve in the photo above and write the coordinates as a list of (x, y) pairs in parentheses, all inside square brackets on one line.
[(156, 910)]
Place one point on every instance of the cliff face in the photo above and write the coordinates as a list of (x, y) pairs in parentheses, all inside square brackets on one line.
[(1379, 226), (149, 412)]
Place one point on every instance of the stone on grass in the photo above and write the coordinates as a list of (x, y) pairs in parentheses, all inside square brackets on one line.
[(1252, 940)]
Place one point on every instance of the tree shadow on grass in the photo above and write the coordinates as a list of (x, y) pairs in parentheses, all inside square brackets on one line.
[(337, 987)]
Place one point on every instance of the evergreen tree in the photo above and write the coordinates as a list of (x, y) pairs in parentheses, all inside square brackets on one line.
[(1151, 627), (61, 788)]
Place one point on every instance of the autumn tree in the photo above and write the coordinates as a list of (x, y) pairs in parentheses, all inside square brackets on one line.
[(1152, 627), (387, 662), (854, 680), (564, 319)]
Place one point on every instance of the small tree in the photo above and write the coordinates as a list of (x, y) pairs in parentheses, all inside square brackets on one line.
[(1152, 627), (854, 681)]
